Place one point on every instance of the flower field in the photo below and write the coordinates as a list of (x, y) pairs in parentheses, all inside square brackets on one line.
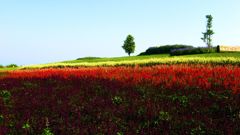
[(163, 99), (148, 60)]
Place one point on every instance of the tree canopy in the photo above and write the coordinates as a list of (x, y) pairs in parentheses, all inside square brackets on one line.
[(129, 45)]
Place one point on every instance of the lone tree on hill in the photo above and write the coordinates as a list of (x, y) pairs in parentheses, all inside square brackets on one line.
[(129, 45), (207, 36)]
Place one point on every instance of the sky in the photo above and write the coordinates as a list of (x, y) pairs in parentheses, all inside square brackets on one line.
[(43, 31)]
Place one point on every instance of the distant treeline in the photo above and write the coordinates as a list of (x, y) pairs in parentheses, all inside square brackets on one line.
[(179, 49), (165, 49), (9, 66)]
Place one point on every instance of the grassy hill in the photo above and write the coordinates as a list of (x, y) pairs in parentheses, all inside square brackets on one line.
[(212, 58), (146, 60), (8, 69)]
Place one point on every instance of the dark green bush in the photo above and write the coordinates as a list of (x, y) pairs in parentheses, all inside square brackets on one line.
[(186, 51), (218, 48), (163, 49), (11, 66), (1, 66)]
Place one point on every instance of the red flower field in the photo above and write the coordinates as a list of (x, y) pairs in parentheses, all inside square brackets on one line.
[(175, 99)]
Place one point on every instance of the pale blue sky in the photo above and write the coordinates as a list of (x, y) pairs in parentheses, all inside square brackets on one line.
[(42, 31)]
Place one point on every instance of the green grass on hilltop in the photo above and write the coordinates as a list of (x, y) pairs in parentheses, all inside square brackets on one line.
[(223, 54), (8, 69), (116, 59), (211, 58)]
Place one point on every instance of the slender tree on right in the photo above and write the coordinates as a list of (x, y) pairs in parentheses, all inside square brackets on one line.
[(207, 36)]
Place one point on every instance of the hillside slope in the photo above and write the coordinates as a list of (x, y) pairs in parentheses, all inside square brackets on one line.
[(213, 58)]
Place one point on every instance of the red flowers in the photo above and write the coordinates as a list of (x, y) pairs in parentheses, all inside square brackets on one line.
[(170, 77), (180, 99)]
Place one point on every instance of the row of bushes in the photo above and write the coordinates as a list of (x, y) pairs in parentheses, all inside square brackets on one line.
[(164, 49), (199, 50), (178, 49), (9, 66)]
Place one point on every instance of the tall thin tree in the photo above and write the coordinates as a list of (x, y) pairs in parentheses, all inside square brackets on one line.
[(207, 36)]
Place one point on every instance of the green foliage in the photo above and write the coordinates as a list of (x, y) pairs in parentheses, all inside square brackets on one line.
[(11, 66), (29, 85), (117, 100), (1, 66), (162, 116), (198, 131), (119, 133), (26, 126), (187, 51), (183, 100), (165, 116), (209, 32), (129, 45), (166, 49), (47, 131), (141, 111), (6, 95)]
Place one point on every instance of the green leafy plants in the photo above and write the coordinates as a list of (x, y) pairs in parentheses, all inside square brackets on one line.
[(117, 100), (47, 131), (6, 95), (120, 133), (198, 131), (165, 116), (183, 100), (26, 126)]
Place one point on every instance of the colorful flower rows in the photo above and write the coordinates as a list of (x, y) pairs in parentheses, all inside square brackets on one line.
[(169, 77), (176, 99)]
